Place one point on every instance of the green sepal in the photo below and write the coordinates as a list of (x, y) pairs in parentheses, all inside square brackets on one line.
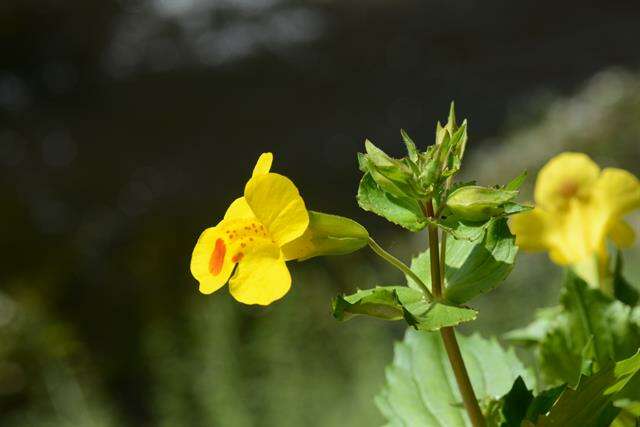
[(327, 235), (411, 146), (516, 183), (472, 267), (402, 211), (400, 302), (477, 203)]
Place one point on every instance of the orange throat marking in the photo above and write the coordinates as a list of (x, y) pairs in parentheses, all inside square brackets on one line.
[(217, 257)]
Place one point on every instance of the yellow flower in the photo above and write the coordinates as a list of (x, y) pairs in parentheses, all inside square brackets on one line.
[(250, 239), (577, 207)]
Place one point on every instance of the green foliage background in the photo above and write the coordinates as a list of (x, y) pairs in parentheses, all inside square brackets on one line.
[(208, 361)]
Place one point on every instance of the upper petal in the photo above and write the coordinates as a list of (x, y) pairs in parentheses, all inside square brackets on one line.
[(567, 176), (239, 209), (277, 204), (617, 191), (622, 234), (533, 229), (262, 276), (263, 165)]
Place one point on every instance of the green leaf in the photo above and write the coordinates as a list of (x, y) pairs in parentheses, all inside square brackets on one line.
[(543, 402), (516, 182), (519, 407), (400, 302), (327, 235), (590, 403), (472, 267), (535, 332), (515, 404), (471, 230), (411, 146), (622, 289), (589, 321), (421, 389), (402, 211)]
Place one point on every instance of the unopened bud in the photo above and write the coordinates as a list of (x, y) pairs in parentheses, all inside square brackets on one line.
[(476, 203)]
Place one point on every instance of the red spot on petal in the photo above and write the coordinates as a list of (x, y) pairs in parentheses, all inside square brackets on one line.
[(217, 257), (237, 257)]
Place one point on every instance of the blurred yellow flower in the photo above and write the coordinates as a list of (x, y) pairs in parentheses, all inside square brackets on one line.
[(251, 237), (577, 207)]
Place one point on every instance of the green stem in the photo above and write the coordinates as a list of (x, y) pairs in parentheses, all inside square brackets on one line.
[(448, 335), (400, 266)]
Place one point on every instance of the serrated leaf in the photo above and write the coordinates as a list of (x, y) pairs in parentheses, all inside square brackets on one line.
[(515, 404), (589, 318), (472, 267), (421, 388), (590, 403), (542, 403), (519, 407), (534, 333), (401, 211), (400, 302)]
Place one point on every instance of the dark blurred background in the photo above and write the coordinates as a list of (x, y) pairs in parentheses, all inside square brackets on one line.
[(126, 128)]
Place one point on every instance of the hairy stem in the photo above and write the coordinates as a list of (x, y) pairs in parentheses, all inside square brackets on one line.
[(400, 266), (448, 335)]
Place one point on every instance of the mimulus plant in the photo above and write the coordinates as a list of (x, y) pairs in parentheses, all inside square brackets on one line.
[(586, 347)]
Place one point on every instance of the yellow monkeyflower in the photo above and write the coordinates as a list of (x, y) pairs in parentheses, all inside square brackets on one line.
[(577, 207), (250, 239)]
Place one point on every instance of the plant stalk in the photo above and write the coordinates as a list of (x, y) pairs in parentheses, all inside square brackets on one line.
[(400, 266), (448, 335)]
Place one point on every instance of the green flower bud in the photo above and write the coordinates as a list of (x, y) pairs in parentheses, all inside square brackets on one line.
[(476, 203), (394, 176), (327, 235)]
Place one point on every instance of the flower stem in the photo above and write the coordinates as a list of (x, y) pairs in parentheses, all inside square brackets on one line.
[(448, 334), (400, 266)]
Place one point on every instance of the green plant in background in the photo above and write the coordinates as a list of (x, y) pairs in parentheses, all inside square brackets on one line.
[(587, 346)]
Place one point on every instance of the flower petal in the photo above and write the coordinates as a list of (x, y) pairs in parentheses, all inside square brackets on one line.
[(277, 204), (262, 276), (617, 191), (533, 229), (566, 176), (220, 248), (211, 263), (622, 234), (263, 165), (239, 209)]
